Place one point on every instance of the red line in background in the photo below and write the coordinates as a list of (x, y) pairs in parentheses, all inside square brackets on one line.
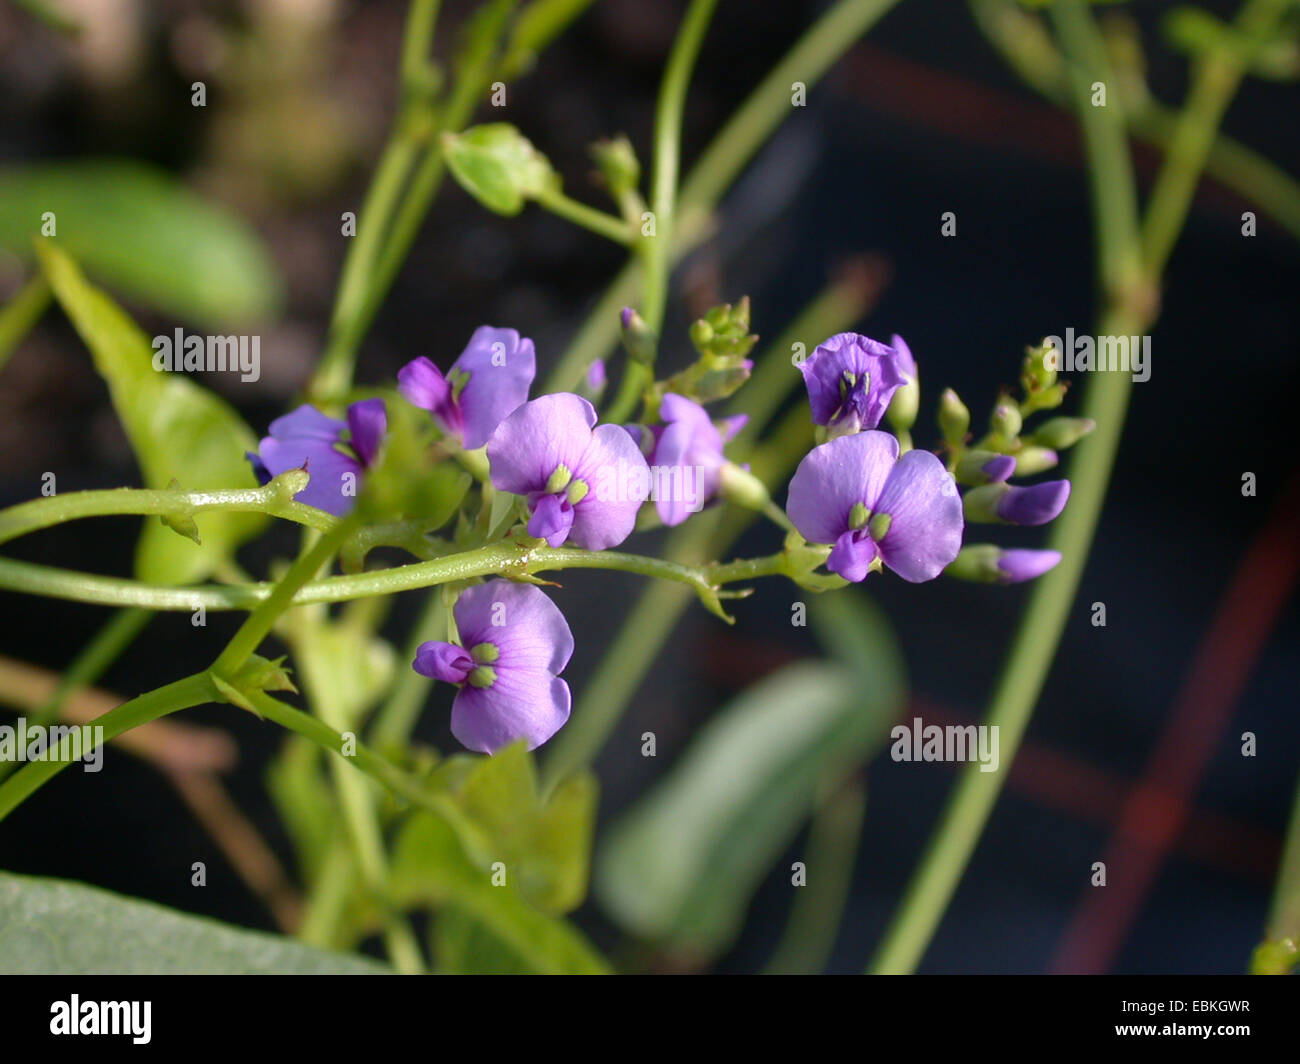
[(1155, 813)]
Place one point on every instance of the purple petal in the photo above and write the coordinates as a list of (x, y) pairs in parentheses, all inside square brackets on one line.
[(443, 661), (501, 365), (368, 421), (823, 372), (552, 519), (596, 376), (539, 436), (926, 521), (1017, 566), (732, 425), (260, 471), (833, 477), (335, 477), (852, 555), (306, 423), (1000, 468), (1034, 505), (528, 704), (424, 386), (520, 620), (906, 363), (604, 518)]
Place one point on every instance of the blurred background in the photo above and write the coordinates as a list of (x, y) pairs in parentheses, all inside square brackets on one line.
[(1134, 754)]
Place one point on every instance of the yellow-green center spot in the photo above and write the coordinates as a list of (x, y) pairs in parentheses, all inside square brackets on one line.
[(859, 516), (578, 491), (559, 480), (485, 653), (880, 526), (483, 676)]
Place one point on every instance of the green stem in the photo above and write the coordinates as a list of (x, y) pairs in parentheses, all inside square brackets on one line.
[(42, 513), (20, 314), (739, 140), (499, 559), (190, 691), (597, 221)]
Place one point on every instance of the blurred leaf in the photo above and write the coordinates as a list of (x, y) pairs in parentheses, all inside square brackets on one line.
[(498, 166), (402, 483), (546, 846), (463, 945), (1196, 32), (304, 802), (680, 867), (178, 430), (20, 314), (145, 235), (53, 927), (52, 15), (431, 867)]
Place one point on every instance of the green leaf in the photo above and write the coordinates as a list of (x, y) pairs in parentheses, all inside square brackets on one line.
[(680, 867), (145, 235), (498, 166), (431, 867), (53, 927), (178, 430)]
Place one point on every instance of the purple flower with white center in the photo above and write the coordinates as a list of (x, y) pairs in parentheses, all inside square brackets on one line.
[(856, 493), (582, 481), (851, 379), (1017, 566), (686, 455), (306, 437), (486, 383), (514, 642)]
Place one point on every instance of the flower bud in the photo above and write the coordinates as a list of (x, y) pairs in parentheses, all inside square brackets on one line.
[(984, 563), (984, 467), (954, 418), (741, 486), (1006, 421), (639, 340), (1062, 432), (1004, 504), (1031, 460)]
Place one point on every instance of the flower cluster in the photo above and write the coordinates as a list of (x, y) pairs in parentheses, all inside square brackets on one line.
[(863, 494)]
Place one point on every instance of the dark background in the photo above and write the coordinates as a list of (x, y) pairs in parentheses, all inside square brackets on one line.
[(919, 119)]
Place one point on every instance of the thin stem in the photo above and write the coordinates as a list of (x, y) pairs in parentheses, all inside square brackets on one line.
[(597, 221), (190, 691), (739, 140), (498, 559), (20, 314), (42, 513)]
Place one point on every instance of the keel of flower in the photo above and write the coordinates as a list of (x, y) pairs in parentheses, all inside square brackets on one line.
[(514, 643)]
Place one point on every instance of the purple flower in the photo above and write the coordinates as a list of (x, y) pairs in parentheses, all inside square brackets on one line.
[(514, 641), (582, 482), (1016, 566), (489, 380), (686, 456), (1033, 505), (306, 437), (851, 380), (856, 493)]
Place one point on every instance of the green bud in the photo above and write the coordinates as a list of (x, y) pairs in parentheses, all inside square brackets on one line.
[(954, 418), (971, 467), (289, 483), (1062, 432), (905, 404), (741, 486), (977, 563), (701, 335), (1036, 375), (639, 340), (980, 504), (618, 164), (1032, 459), (1006, 421)]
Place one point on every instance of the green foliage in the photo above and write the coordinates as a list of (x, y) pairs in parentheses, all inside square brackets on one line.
[(499, 167), (180, 432), (680, 867), (52, 927), (144, 234)]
